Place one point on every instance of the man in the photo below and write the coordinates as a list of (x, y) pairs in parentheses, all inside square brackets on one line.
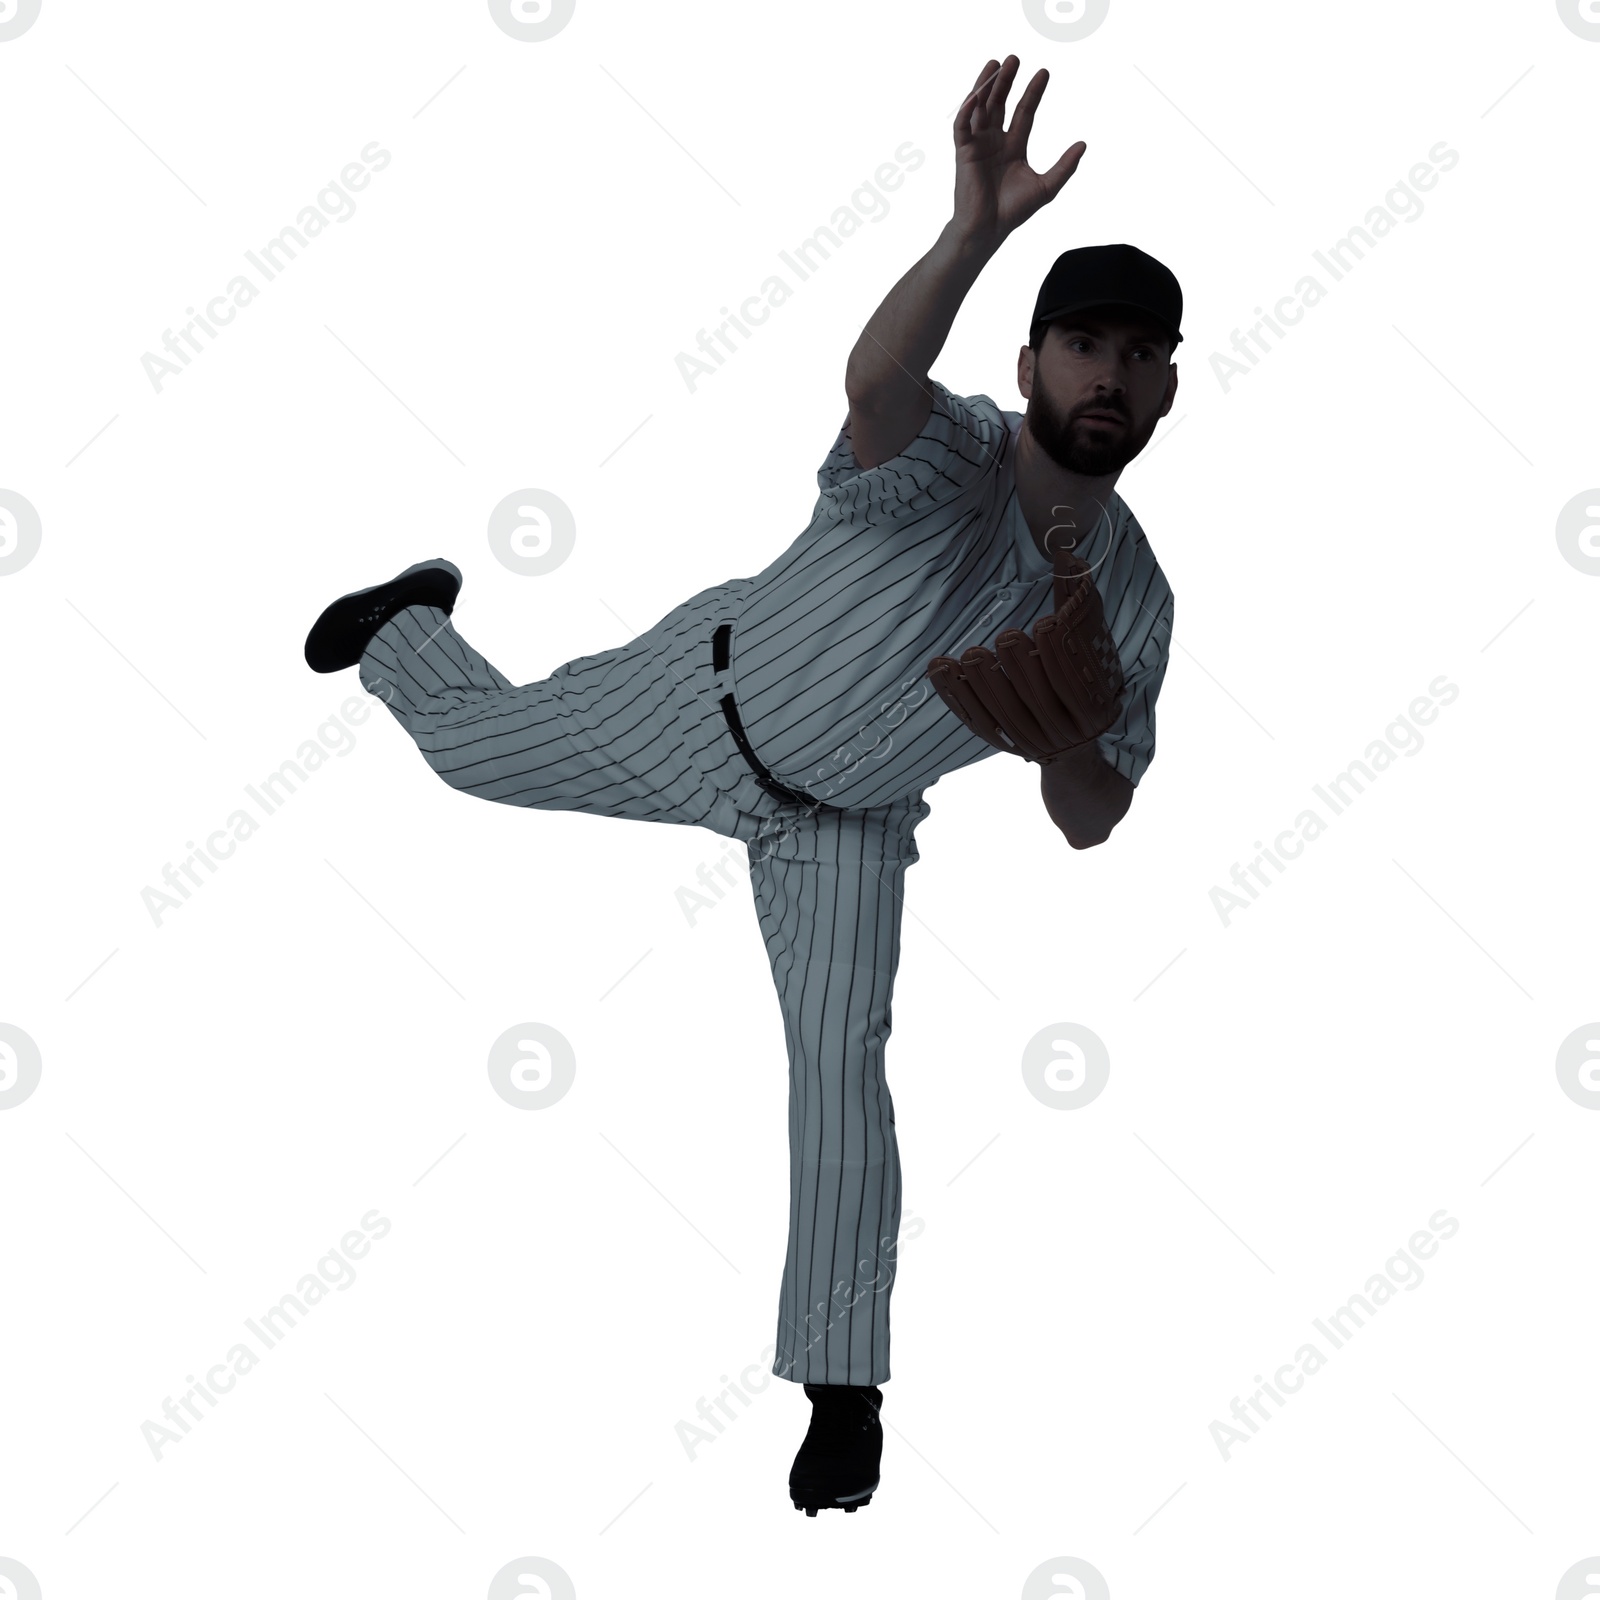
[(805, 710)]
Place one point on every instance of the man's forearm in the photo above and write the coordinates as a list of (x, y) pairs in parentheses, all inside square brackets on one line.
[(1085, 795), (897, 348)]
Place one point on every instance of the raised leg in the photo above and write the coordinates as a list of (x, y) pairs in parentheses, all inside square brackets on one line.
[(514, 743)]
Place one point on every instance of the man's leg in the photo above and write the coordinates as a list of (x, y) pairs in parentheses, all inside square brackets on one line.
[(484, 735), (828, 891)]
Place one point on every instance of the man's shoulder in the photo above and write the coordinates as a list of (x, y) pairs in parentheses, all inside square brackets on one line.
[(979, 412), (1143, 563), (960, 448), (1138, 596)]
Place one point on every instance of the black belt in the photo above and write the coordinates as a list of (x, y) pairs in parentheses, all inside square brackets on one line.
[(779, 791)]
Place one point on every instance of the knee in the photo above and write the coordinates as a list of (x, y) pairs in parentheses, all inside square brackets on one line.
[(463, 779)]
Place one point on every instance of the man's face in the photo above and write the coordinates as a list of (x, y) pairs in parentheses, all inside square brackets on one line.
[(1096, 362)]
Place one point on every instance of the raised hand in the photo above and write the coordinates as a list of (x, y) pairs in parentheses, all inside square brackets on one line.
[(996, 189)]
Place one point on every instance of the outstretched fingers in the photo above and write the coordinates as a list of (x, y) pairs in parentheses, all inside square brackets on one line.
[(1055, 180), (1022, 117), (990, 67), (1000, 90), (971, 112)]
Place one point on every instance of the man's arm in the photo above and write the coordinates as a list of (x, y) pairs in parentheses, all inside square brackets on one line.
[(1085, 795), (886, 377)]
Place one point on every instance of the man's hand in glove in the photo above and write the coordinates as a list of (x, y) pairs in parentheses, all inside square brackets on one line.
[(1047, 698), (1041, 696)]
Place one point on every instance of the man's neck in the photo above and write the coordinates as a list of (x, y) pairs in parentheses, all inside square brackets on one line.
[(1061, 508)]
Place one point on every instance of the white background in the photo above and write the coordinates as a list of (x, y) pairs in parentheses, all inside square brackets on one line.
[(1292, 1095)]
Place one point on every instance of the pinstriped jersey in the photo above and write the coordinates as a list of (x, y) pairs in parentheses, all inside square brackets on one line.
[(925, 554)]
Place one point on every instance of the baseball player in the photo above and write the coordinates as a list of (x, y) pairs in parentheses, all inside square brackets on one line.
[(807, 709)]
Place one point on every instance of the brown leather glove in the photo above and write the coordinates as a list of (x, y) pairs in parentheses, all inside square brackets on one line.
[(1038, 697)]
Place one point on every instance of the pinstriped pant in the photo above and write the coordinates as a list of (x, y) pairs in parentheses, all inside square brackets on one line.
[(638, 732)]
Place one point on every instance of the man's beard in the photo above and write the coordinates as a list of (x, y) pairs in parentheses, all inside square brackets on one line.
[(1083, 447)]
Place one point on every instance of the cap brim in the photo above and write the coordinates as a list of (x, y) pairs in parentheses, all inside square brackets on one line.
[(1174, 337)]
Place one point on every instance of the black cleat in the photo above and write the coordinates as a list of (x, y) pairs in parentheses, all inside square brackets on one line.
[(343, 631), (838, 1461)]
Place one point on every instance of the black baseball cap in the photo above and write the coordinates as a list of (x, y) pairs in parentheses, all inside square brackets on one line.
[(1109, 275)]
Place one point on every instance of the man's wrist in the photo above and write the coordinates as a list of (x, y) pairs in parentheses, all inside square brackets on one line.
[(1071, 767), (970, 244)]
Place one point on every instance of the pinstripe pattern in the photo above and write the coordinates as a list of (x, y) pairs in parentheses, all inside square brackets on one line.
[(925, 554), (636, 732), (829, 909), (631, 732), (921, 556)]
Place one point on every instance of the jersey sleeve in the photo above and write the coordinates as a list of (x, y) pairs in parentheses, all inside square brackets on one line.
[(1129, 744), (961, 444)]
